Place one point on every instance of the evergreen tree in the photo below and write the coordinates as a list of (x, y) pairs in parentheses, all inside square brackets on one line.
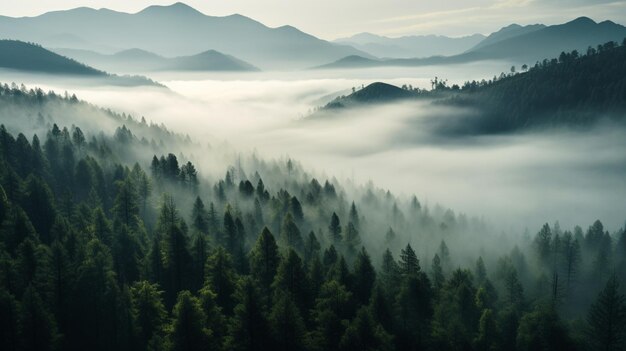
[(352, 240), (291, 279), (290, 234), (354, 217), (364, 333), (607, 318), (437, 273), (148, 312), (264, 261), (364, 277), (36, 325), (287, 325), (249, 328), (334, 229), (311, 247), (199, 218), (188, 331), (221, 278), (409, 264)]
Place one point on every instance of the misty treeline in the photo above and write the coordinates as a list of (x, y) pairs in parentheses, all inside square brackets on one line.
[(105, 246)]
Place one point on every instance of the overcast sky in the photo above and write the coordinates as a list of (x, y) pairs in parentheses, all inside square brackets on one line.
[(330, 19)]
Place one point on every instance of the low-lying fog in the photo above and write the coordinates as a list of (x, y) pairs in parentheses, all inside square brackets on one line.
[(512, 181)]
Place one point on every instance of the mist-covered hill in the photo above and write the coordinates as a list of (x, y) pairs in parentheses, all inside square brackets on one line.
[(137, 60), (576, 89), (32, 58), (411, 46), (175, 30), (522, 45)]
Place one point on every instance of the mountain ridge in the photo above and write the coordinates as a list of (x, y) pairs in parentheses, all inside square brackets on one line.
[(179, 30)]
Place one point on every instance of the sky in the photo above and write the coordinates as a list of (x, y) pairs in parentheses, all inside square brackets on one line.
[(332, 19)]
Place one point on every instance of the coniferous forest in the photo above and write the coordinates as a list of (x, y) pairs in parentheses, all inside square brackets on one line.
[(114, 240), (163, 188)]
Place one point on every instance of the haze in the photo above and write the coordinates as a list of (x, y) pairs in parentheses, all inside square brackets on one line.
[(511, 181)]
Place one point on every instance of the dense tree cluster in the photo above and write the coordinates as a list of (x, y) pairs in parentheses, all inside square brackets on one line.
[(572, 89), (97, 253)]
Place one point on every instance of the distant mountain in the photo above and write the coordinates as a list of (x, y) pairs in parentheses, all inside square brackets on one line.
[(550, 41), (353, 61), (32, 58), (137, 60), (519, 44), (411, 46), (177, 30), (507, 32)]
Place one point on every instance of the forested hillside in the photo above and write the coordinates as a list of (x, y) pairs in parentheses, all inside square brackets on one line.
[(576, 89), (118, 238)]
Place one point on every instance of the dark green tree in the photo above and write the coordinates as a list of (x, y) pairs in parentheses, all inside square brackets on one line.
[(607, 318)]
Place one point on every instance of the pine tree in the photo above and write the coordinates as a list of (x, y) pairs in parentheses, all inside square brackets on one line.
[(148, 312), (364, 277), (354, 217), (311, 247), (389, 274), (290, 234), (264, 261), (364, 333), (199, 220), (607, 318), (199, 255), (334, 229), (437, 273), (188, 331), (287, 325), (352, 240), (249, 328), (333, 308), (487, 332), (409, 264), (36, 325), (221, 278), (126, 207), (291, 279)]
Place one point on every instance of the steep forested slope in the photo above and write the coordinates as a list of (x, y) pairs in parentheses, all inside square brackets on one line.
[(112, 238), (574, 89)]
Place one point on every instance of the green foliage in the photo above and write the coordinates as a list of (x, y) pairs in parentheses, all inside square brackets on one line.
[(607, 318), (188, 331), (90, 260)]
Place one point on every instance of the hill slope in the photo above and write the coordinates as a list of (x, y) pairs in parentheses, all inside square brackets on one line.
[(178, 30), (30, 57), (573, 90)]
